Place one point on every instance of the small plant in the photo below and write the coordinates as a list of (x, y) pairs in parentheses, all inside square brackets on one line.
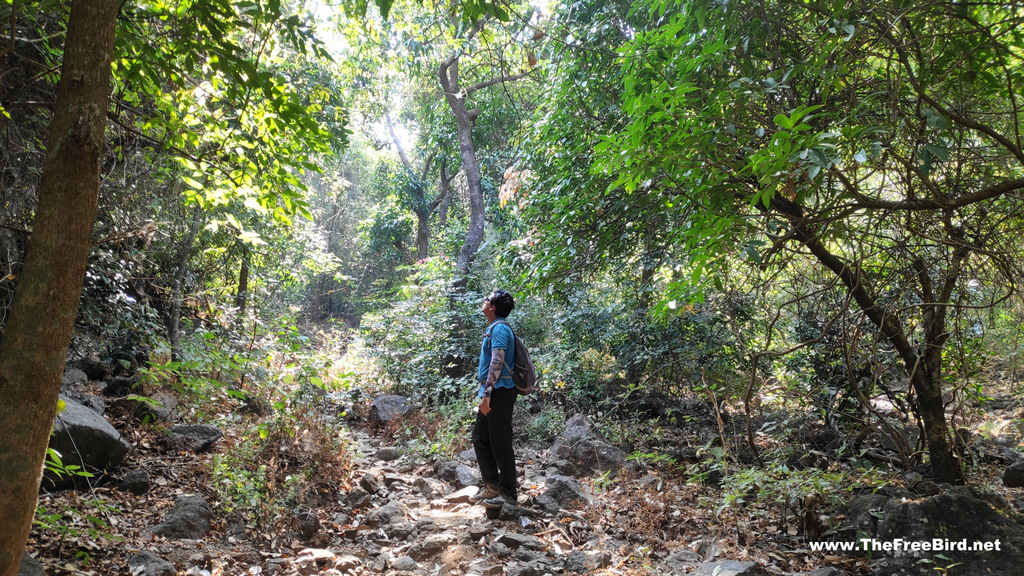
[(81, 524)]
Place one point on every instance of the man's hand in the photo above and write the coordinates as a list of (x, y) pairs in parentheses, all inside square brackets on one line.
[(485, 405)]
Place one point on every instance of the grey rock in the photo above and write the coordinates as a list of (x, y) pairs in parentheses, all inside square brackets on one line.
[(466, 476), (193, 438), (30, 566), (681, 562), (120, 385), (93, 369), (370, 483), (729, 568), (189, 518), (389, 453), (385, 515), (84, 438), (468, 456), (430, 488), (136, 482), (447, 470), (1013, 476), (431, 545), (562, 492), (405, 564), (357, 498), (385, 409), (582, 445), (309, 523), (73, 376), (514, 512), (146, 563), (958, 514), (534, 568), (515, 540)]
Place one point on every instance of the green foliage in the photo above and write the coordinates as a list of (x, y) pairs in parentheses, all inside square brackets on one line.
[(411, 347)]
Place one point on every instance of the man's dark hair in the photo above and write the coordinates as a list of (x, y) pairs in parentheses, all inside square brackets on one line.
[(503, 302)]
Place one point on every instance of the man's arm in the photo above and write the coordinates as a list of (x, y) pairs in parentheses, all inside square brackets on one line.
[(494, 370)]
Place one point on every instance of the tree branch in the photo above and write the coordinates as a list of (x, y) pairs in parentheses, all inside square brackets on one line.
[(498, 80)]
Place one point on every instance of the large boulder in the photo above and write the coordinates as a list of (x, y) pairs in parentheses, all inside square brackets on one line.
[(955, 519), (189, 518), (385, 409), (585, 448), (1013, 476), (84, 438)]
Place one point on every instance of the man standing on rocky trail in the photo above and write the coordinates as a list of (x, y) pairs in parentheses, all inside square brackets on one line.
[(492, 431)]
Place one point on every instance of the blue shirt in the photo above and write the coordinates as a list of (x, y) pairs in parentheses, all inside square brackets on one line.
[(501, 337)]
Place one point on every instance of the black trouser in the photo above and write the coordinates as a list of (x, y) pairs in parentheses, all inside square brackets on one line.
[(492, 440)]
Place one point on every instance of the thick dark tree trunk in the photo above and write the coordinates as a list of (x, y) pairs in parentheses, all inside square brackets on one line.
[(35, 341), (174, 322), (924, 369)]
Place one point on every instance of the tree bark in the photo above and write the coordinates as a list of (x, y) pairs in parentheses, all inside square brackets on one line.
[(35, 342), (453, 94), (924, 369), (174, 322)]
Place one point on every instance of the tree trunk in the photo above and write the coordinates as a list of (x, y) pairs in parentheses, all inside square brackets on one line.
[(924, 370), (242, 295), (449, 75), (174, 322), (35, 342)]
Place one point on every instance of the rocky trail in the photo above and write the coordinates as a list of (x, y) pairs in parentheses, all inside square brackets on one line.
[(584, 507)]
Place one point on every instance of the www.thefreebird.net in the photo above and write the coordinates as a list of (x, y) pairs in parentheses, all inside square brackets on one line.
[(901, 545)]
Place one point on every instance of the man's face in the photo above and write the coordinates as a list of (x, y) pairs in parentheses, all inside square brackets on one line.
[(487, 307)]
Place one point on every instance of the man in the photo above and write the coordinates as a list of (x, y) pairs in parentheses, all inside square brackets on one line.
[(492, 431)]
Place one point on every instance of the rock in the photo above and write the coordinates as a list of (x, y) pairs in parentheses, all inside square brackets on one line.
[(468, 456), (1013, 476), (385, 409), (729, 568), (582, 445), (386, 514), (357, 498), (370, 483), (458, 474), (30, 566), (309, 523), (534, 568), (431, 488), (188, 518), (148, 564), (389, 453), (120, 385), (466, 476), (93, 369), (136, 482), (405, 564), (515, 540), (431, 545), (391, 479), (958, 515), (681, 562), (514, 512), (562, 492), (73, 376), (84, 438), (464, 496), (193, 438)]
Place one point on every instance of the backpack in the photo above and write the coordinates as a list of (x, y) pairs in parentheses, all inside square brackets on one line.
[(524, 376)]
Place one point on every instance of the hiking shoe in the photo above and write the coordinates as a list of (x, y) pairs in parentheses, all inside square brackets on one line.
[(487, 492), (499, 501)]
